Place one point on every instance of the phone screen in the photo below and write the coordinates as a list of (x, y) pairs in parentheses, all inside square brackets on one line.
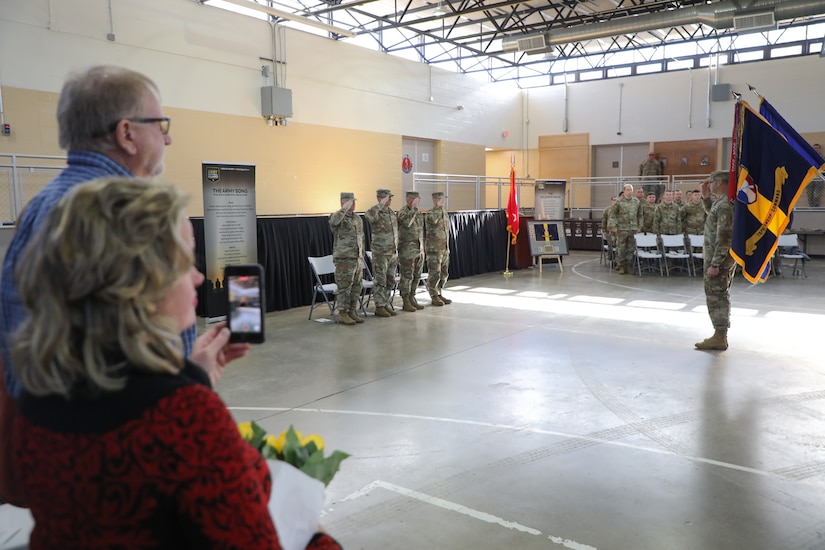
[(245, 312)]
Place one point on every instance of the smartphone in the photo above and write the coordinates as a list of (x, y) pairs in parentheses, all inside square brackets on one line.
[(245, 310)]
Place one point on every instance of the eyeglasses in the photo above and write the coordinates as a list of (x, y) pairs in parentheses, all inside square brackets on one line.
[(162, 122)]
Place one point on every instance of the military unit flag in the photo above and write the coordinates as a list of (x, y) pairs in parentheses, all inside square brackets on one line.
[(770, 175)]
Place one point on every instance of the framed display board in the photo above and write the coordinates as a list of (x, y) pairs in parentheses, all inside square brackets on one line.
[(549, 199), (547, 237)]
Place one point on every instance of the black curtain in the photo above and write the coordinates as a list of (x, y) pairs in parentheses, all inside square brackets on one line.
[(478, 243)]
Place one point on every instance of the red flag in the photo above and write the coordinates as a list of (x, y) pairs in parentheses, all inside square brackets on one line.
[(512, 206)]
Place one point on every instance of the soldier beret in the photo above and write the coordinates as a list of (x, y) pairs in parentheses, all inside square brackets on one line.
[(413, 194), (438, 195), (347, 196), (381, 193)]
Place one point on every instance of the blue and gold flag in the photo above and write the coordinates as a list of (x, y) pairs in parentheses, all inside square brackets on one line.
[(770, 178), (794, 139)]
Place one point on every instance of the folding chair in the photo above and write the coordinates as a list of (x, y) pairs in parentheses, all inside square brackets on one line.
[(788, 248), (674, 249), (697, 246), (367, 284), (322, 267), (647, 253), (608, 252)]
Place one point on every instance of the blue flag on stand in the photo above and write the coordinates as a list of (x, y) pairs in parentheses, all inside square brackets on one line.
[(770, 178)]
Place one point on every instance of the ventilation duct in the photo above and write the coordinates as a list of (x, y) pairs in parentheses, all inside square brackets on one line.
[(525, 43), (754, 22), (719, 15)]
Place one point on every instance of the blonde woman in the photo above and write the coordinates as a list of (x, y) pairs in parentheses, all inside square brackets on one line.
[(121, 441)]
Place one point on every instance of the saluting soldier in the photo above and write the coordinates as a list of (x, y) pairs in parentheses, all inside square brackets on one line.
[(437, 244), (347, 255), (384, 232), (410, 250)]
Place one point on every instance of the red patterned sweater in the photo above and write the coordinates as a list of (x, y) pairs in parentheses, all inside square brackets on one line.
[(159, 464)]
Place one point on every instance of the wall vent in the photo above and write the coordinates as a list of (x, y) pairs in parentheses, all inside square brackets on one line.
[(535, 42)]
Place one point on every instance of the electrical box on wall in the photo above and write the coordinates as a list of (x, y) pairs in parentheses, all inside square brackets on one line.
[(275, 101)]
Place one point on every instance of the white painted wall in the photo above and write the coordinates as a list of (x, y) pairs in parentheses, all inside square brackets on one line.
[(207, 59)]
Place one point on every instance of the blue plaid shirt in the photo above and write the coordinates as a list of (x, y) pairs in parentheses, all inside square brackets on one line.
[(82, 166)]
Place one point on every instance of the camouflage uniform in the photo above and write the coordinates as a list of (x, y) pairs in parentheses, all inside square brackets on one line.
[(647, 217), (718, 231), (410, 247), (652, 167), (347, 255), (606, 220), (384, 230), (437, 245), (693, 218), (626, 220), (666, 220)]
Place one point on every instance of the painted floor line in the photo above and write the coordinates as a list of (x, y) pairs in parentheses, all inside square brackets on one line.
[(461, 509), (600, 441)]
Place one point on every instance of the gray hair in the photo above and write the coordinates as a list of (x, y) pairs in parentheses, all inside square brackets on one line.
[(93, 100)]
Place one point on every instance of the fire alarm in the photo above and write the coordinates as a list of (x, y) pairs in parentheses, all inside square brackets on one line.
[(505, 133), (6, 129)]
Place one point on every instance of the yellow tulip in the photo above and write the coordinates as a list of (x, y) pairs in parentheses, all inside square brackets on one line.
[(276, 443), (246, 430), (314, 438)]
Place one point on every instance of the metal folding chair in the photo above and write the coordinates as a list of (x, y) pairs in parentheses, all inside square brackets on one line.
[(322, 267)]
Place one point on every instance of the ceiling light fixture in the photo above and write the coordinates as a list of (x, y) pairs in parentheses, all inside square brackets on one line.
[(439, 10), (292, 17)]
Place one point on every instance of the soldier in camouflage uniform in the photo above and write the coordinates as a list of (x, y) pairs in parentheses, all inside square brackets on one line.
[(384, 231), (437, 244), (719, 264), (648, 211), (666, 219), (651, 167), (347, 255), (677, 198), (410, 250), (625, 222), (693, 215)]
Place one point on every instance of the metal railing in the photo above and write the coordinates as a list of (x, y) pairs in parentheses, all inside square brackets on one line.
[(24, 177), (466, 192)]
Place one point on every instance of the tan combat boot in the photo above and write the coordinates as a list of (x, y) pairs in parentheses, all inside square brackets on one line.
[(719, 341), (414, 302), (436, 301), (445, 300), (354, 316), (408, 305), (344, 318), (381, 311), (389, 309)]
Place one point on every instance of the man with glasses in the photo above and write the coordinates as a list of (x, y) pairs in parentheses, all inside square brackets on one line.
[(111, 123)]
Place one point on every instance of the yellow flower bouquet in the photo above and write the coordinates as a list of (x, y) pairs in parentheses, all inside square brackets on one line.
[(304, 452), (299, 472)]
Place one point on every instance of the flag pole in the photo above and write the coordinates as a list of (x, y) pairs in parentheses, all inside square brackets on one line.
[(507, 272)]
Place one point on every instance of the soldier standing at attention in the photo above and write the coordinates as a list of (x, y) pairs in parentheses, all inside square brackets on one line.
[(719, 264), (384, 227), (693, 214), (410, 250), (666, 219), (437, 243), (648, 212), (625, 221), (347, 255), (814, 189), (651, 167)]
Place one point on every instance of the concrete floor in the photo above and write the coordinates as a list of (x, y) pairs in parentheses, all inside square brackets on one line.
[(557, 410)]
